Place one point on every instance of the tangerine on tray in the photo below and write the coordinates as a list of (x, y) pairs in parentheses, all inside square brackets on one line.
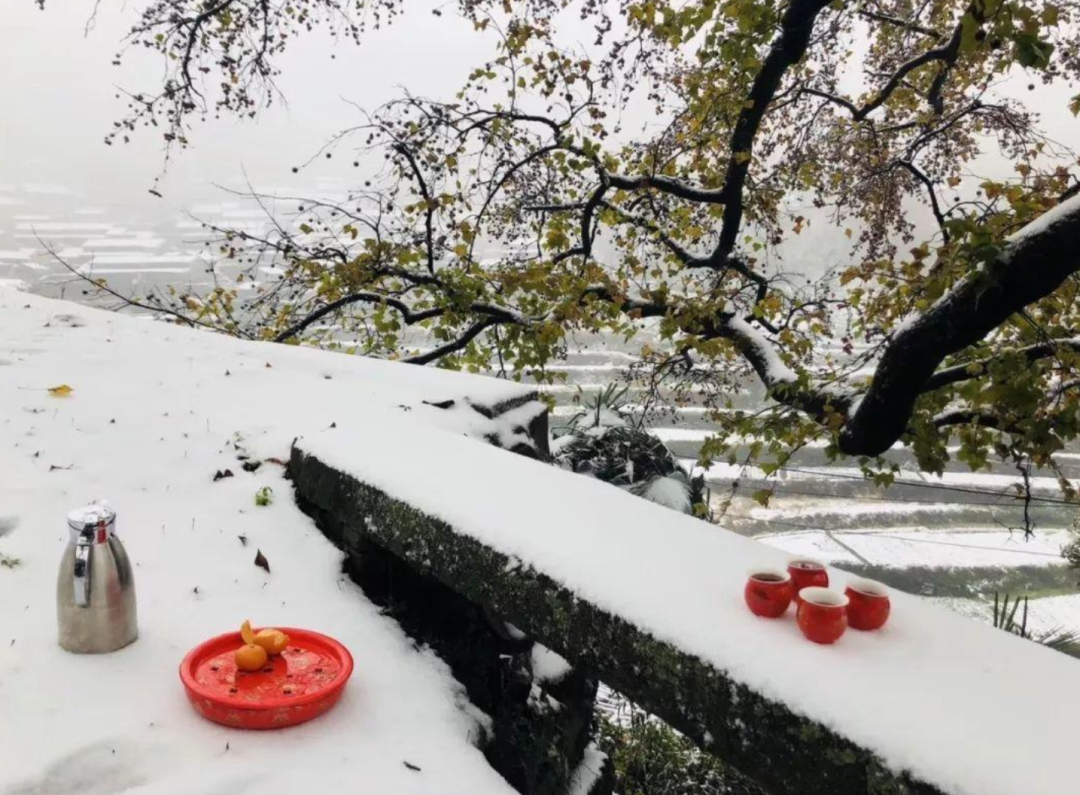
[(250, 657), (273, 640)]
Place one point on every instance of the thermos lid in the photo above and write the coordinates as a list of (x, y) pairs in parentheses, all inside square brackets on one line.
[(98, 516)]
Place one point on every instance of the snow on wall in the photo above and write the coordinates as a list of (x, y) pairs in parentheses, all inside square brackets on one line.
[(930, 694)]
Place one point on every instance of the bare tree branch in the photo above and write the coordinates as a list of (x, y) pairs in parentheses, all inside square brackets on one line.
[(126, 301), (429, 204), (471, 333), (409, 317), (889, 19)]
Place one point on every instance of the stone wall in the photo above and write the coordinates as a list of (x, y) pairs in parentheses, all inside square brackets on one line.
[(783, 752), (539, 726)]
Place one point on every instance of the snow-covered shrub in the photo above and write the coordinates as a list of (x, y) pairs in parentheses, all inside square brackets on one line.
[(607, 409), (632, 459), (1005, 618), (673, 491)]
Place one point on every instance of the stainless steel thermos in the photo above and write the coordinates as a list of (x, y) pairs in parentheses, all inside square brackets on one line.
[(95, 589)]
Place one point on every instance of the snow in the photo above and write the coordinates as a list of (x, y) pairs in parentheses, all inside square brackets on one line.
[(671, 491), (929, 693), (584, 778), (546, 665), (1058, 214), (155, 411), (684, 434), (1054, 613), (1045, 614), (514, 423), (776, 372)]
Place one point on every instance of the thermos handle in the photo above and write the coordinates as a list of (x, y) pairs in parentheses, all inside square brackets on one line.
[(81, 573)]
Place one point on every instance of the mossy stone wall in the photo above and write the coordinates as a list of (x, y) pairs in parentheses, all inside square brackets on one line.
[(784, 752)]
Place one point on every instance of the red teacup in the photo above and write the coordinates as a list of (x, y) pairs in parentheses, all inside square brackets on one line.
[(822, 614), (768, 592), (807, 574), (868, 606)]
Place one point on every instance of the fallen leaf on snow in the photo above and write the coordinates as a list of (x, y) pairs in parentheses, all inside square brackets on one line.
[(261, 561)]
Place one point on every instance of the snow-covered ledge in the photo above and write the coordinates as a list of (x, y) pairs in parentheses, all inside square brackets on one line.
[(651, 601)]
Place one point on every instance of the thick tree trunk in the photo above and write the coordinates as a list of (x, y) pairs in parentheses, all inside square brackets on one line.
[(1035, 262)]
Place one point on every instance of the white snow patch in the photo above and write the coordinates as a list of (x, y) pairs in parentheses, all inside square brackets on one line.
[(585, 776), (776, 372), (153, 415), (1055, 613), (1001, 484), (671, 492), (546, 665)]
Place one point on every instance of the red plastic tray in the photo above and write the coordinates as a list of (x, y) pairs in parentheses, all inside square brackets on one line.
[(305, 681)]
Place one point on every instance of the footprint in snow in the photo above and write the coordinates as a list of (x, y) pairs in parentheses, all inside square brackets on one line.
[(8, 525)]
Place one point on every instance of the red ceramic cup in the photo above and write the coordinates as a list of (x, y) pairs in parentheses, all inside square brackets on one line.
[(807, 574), (822, 614), (868, 604), (768, 592)]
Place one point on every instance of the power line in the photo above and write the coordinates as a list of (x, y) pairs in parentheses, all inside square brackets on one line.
[(919, 485), (895, 538), (824, 475), (968, 546), (783, 488)]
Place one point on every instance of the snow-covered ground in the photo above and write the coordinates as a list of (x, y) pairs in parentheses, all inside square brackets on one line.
[(156, 411)]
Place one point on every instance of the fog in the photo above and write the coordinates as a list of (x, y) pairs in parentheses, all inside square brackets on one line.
[(59, 100), (58, 96)]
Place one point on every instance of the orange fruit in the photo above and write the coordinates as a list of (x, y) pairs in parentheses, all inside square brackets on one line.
[(250, 657), (273, 640), (246, 633)]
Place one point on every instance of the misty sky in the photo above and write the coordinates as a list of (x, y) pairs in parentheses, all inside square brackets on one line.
[(58, 100)]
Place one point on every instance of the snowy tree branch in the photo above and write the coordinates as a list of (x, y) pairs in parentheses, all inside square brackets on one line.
[(976, 367), (1034, 263)]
